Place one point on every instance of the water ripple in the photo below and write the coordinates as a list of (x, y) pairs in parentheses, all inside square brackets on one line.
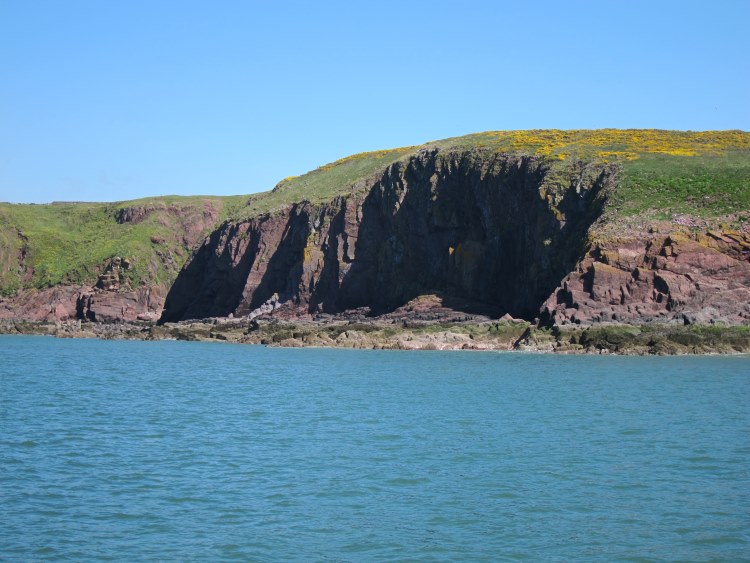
[(189, 451)]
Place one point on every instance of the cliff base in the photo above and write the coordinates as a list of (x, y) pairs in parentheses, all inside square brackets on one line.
[(394, 334)]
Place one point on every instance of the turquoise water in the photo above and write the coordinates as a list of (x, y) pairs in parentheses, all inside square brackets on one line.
[(190, 451)]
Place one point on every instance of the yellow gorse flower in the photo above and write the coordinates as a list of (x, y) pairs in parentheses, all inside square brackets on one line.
[(618, 144)]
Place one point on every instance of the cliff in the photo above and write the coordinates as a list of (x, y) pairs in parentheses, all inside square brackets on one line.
[(565, 233), (489, 233), (695, 278), (556, 228)]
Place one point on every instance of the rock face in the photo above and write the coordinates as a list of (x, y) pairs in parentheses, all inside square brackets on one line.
[(443, 236), (704, 278), (144, 303), (492, 234), (114, 274), (48, 304), (110, 300), (113, 300), (62, 303)]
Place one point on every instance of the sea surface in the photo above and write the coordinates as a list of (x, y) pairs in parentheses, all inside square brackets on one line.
[(176, 451)]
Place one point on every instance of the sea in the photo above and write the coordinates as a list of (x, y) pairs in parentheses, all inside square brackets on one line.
[(187, 451)]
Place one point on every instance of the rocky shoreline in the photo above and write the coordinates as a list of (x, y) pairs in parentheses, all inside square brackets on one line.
[(447, 247), (380, 334)]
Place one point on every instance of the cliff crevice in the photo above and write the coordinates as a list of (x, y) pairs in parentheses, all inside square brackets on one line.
[(491, 233)]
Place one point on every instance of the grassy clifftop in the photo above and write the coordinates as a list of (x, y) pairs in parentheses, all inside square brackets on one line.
[(705, 173), (662, 173)]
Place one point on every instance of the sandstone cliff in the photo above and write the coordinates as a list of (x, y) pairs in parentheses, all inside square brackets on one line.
[(554, 228), (490, 233), (700, 277)]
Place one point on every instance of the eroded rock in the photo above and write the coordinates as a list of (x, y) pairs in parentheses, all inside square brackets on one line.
[(677, 278), (492, 234)]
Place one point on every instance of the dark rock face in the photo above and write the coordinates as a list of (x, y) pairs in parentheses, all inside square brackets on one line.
[(491, 234)]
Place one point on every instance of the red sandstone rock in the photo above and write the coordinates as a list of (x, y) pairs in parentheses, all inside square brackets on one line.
[(63, 303), (479, 232), (108, 306), (49, 304), (687, 281)]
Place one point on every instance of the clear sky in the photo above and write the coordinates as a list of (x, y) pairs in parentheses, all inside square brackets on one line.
[(111, 100)]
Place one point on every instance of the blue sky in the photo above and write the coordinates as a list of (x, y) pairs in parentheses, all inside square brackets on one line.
[(104, 101)]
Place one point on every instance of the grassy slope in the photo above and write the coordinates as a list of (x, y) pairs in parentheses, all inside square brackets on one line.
[(70, 242), (703, 174), (324, 183)]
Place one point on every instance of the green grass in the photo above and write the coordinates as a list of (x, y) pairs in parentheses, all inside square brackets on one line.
[(227, 205), (704, 186), (72, 242), (324, 183), (703, 173)]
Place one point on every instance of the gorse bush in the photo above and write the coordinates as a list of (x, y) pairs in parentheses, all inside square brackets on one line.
[(706, 173)]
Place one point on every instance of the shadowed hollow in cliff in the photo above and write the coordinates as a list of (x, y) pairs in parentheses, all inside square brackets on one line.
[(492, 233)]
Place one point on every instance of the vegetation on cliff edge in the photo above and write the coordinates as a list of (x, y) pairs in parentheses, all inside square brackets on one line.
[(662, 174), (705, 173)]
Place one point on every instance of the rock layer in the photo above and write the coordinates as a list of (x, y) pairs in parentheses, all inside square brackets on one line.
[(63, 303), (491, 233), (702, 278)]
